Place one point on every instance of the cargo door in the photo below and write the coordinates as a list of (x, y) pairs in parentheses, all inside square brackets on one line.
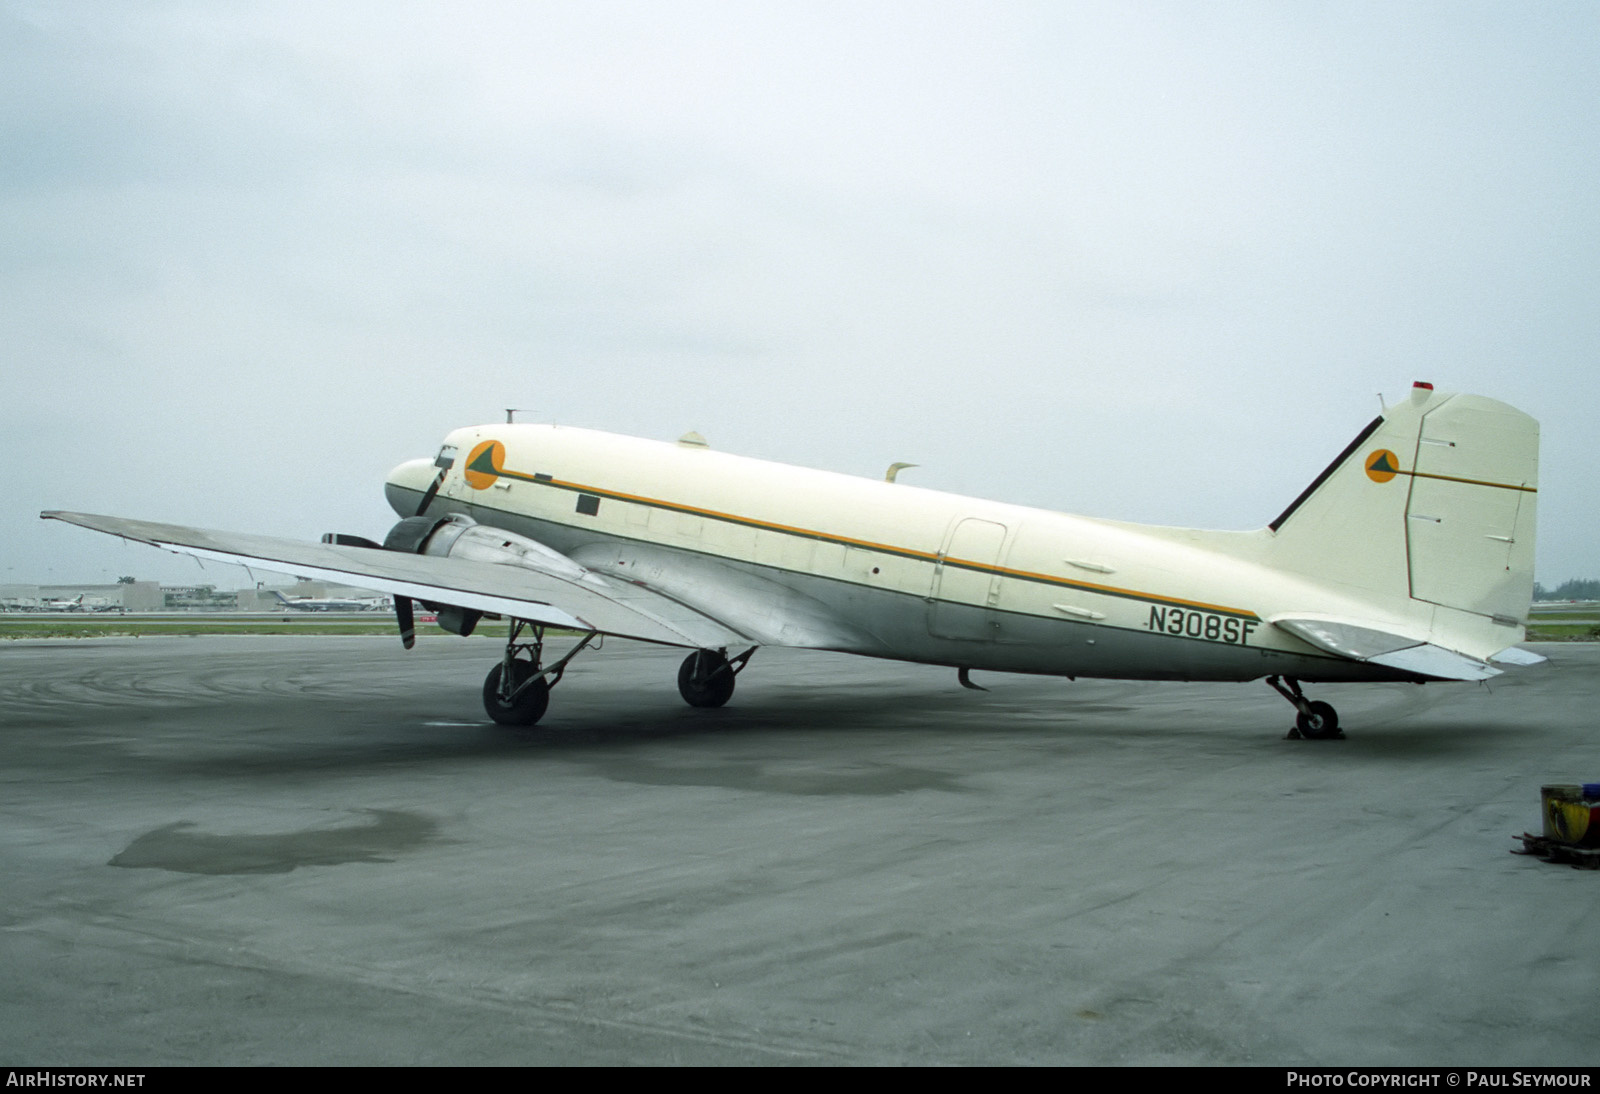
[(966, 581)]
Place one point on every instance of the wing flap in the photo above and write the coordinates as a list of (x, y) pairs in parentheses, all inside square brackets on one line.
[(585, 601)]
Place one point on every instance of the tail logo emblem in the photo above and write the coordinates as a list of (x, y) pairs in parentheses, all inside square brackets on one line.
[(484, 465), (1382, 465)]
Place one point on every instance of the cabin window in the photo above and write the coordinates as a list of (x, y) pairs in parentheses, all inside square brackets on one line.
[(588, 505)]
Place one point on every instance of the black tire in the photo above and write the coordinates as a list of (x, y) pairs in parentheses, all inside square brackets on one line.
[(526, 708), (1322, 723), (701, 684)]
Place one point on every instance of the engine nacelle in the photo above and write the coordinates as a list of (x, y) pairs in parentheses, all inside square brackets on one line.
[(462, 537)]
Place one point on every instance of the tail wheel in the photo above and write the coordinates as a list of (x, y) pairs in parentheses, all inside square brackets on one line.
[(1322, 721), (705, 679), (525, 707)]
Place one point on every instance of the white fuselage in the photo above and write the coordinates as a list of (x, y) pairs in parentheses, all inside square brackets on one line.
[(812, 558)]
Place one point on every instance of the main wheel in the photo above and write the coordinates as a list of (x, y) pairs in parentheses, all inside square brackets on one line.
[(525, 707), (701, 684), (1322, 722)]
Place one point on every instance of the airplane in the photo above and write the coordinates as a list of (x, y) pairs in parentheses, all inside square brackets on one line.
[(1409, 558), (330, 603), (62, 604)]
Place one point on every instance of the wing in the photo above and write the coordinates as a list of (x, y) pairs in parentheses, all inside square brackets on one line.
[(560, 593)]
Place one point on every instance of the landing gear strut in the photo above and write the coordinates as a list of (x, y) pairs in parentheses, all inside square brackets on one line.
[(517, 691), (706, 677), (1315, 721)]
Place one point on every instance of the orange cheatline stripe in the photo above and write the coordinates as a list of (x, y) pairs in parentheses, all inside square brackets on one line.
[(903, 552), (679, 507), (1469, 482)]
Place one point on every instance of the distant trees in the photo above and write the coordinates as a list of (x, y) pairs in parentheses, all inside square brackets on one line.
[(1577, 589), (128, 580)]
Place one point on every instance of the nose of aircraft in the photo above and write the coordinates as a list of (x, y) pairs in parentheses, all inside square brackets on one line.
[(406, 485)]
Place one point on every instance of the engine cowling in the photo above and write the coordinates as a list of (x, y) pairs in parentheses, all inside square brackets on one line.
[(462, 537)]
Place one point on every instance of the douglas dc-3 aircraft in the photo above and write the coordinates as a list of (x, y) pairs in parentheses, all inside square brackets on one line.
[(1410, 558)]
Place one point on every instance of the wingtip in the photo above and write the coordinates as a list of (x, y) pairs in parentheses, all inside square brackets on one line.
[(1513, 655)]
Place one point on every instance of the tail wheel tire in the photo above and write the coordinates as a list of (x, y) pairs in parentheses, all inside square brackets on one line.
[(1320, 723), (701, 683), (526, 707)]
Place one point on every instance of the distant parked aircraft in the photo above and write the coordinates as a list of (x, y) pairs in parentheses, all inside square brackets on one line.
[(332, 603)]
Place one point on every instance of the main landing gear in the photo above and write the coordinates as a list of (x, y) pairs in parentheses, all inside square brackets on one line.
[(517, 690), (1315, 721), (706, 677)]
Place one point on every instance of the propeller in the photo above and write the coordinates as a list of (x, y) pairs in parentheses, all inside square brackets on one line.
[(403, 612), (408, 625), (433, 490), (407, 536)]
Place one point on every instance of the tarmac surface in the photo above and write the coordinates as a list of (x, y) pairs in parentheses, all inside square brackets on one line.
[(295, 850)]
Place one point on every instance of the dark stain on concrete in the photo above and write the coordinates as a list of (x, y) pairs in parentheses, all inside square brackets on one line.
[(182, 849)]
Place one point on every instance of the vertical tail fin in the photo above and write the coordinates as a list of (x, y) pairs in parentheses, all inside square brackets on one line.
[(1434, 501)]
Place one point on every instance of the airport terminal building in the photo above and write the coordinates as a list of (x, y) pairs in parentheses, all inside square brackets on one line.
[(135, 596), (151, 596)]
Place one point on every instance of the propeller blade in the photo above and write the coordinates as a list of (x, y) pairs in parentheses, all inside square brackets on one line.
[(438, 481), (408, 626), (344, 539), (402, 604)]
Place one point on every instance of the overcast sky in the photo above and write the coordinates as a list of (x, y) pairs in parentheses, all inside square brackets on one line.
[(1148, 261)]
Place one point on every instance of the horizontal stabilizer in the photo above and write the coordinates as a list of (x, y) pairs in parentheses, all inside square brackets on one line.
[(1437, 662), (1347, 639), (1395, 651), (1511, 655)]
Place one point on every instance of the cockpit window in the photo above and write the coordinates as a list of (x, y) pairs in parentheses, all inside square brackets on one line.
[(446, 458)]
